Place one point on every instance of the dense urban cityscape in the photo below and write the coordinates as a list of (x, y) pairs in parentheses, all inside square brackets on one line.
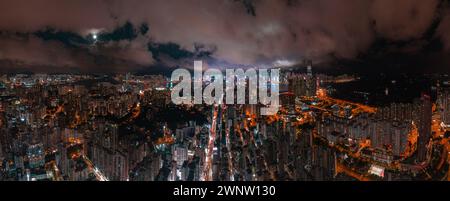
[(224, 99), (124, 127)]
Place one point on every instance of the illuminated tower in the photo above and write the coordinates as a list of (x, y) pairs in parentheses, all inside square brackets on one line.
[(309, 69), (310, 79), (444, 106), (425, 117)]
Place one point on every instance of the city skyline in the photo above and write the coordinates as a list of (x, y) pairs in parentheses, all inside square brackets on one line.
[(125, 127), (224, 99)]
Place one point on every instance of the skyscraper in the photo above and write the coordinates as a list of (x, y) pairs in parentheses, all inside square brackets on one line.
[(303, 85), (444, 106), (425, 115), (309, 68)]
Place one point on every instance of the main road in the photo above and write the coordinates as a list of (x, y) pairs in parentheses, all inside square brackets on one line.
[(207, 171)]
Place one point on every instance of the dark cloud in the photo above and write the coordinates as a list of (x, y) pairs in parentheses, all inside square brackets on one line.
[(50, 50), (136, 34)]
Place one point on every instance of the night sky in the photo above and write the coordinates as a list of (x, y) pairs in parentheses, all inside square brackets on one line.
[(108, 36)]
